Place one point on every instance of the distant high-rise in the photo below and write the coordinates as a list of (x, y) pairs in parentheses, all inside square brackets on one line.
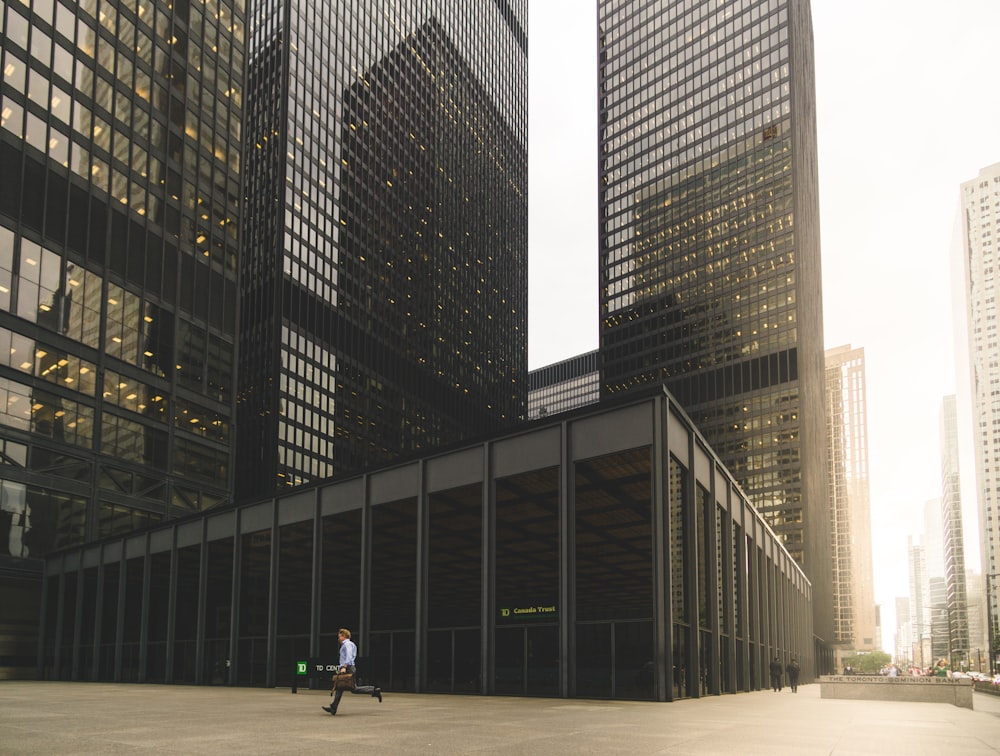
[(709, 243), (920, 613), (903, 644), (385, 276), (850, 512), (979, 657), (938, 609), (980, 223), (564, 385), (952, 536)]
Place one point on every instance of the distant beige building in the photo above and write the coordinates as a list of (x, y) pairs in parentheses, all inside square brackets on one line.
[(850, 518), (980, 223)]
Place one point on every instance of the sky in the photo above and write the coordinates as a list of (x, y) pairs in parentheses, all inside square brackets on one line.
[(907, 110)]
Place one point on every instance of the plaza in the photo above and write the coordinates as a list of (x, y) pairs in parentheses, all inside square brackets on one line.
[(107, 718)]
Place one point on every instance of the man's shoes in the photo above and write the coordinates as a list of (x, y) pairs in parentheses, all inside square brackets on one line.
[(330, 709), (377, 693)]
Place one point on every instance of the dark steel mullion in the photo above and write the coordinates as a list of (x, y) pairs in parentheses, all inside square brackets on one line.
[(663, 635), (711, 547), (271, 640), (692, 547), (120, 615), (95, 661), (168, 673), (147, 568), (232, 657), (567, 569), (487, 566), (421, 567), (202, 610)]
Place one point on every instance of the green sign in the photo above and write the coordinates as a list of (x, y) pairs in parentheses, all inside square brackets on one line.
[(527, 612), (302, 668)]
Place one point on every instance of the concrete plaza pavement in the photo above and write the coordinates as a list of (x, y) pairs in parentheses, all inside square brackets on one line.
[(104, 718)]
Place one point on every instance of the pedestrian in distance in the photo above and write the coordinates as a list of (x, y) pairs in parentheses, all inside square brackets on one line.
[(348, 656), (941, 670), (793, 675), (776, 674)]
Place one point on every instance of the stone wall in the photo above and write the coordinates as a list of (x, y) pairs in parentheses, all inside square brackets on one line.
[(877, 688)]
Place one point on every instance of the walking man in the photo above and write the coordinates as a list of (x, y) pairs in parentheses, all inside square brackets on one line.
[(776, 674), (793, 675)]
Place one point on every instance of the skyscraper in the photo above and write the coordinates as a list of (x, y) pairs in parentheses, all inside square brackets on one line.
[(564, 385), (953, 540), (920, 600), (119, 217), (980, 221), (709, 243), (385, 276), (119, 214), (850, 512), (903, 649)]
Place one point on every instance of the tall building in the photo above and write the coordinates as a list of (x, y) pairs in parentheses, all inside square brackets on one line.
[(119, 218), (980, 222), (939, 626), (979, 658), (384, 279), (933, 539), (903, 647), (120, 211), (709, 243), (952, 537), (920, 613), (564, 385), (850, 511)]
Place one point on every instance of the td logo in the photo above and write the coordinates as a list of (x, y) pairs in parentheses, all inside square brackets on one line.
[(505, 612), (301, 668)]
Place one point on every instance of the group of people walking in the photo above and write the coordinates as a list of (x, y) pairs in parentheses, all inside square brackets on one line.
[(778, 673)]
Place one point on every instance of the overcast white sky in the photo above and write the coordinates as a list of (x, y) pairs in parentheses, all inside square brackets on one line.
[(908, 109)]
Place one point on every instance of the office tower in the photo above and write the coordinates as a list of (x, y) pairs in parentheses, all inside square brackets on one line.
[(709, 243), (979, 658), (938, 618), (850, 512), (384, 279), (980, 222), (932, 539), (878, 626), (952, 536), (564, 385), (119, 217), (920, 630), (903, 650)]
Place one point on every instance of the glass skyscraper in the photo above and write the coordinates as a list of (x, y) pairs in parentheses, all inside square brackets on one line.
[(119, 228), (709, 242), (385, 269)]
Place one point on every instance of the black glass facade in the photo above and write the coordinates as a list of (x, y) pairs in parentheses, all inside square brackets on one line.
[(709, 242), (385, 276), (605, 555), (119, 214)]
